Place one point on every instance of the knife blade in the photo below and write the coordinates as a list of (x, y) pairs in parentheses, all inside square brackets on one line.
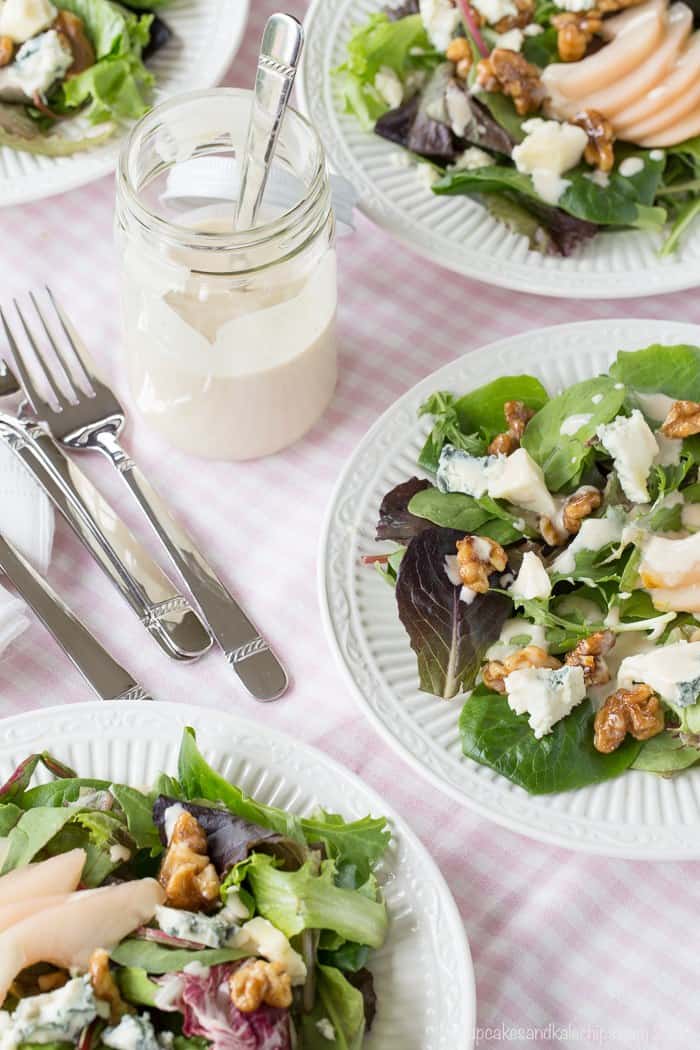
[(108, 678), (173, 623)]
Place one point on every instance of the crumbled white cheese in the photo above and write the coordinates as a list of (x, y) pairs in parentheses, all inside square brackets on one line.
[(119, 854), (511, 41), (546, 695), (576, 5), (467, 595), (23, 19), (532, 581), (572, 424), (670, 449), (656, 406), (58, 1016), (388, 83), (460, 472), (452, 570), (326, 1029), (521, 481), (548, 150), (494, 10), (427, 175), (672, 671), (690, 516), (459, 111), (633, 448), (594, 534), (134, 1032), (215, 931), (631, 166), (472, 158), (41, 62), (260, 937), (441, 19), (600, 178), (533, 29)]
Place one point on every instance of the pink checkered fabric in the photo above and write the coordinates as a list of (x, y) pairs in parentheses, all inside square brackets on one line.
[(591, 951)]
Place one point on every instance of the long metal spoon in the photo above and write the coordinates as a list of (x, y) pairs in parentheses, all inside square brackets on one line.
[(280, 52)]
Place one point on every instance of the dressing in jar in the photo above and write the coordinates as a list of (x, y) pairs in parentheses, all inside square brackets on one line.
[(229, 335)]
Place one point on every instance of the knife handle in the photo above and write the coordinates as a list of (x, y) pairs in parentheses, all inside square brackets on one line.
[(166, 614)]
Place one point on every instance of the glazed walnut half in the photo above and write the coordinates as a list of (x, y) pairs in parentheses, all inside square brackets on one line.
[(590, 654), (105, 986), (517, 416), (257, 982), (186, 874), (683, 419), (575, 30), (599, 152), (7, 50), (495, 672), (510, 74), (637, 711), (477, 558), (576, 508)]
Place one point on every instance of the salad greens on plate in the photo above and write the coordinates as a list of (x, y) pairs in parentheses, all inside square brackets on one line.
[(70, 72), (186, 915), (564, 119), (546, 568)]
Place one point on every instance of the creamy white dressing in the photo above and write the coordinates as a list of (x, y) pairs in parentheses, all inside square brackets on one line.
[(656, 406), (690, 515), (572, 424), (524, 633), (670, 449), (672, 671), (631, 166), (669, 563), (594, 534), (633, 447), (532, 581)]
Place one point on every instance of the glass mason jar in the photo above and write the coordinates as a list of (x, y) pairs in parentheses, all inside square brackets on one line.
[(229, 336)]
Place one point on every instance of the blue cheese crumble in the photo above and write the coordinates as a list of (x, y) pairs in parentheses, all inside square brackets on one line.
[(134, 1032), (546, 695), (214, 931), (54, 1017)]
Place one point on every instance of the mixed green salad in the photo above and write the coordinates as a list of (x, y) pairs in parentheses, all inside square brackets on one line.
[(547, 569), (563, 118), (184, 916), (71, 71)]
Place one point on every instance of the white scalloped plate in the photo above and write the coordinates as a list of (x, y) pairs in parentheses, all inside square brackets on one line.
[(454, 231), (423, 974), (206, 36), (636, 816)]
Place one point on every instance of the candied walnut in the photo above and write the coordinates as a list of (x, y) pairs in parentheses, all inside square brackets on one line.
[(477, 558), (637, 711), (578, 506), (105, 986), (458, 50), (575, 30), (551, 535), (599, 152), (590, 655), (186, 874), (7, 50), (49, 982), (495, 672), (71, 30), (682, 420), (525, 14), (517, 416), (257, 982), (511, 74), (609, 7)]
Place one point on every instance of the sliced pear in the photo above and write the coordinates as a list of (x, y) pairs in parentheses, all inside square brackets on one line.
[(68, 934), (19, 910), (684, 104), (59, 874), (673, 134), (651, 72), (632, 46), (676, 599), (679, 81)]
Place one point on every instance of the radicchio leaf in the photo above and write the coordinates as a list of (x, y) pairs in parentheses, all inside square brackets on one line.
[(449, 637), (208, 1012), (229, 838), (20, 780), (395, 520)]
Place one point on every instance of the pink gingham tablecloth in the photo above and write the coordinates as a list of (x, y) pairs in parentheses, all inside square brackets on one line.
[(569, 950)]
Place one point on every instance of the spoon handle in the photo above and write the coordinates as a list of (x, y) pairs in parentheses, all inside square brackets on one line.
[(280, 52)]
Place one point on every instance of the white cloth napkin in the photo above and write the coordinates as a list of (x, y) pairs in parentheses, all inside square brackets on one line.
[(27, 521)]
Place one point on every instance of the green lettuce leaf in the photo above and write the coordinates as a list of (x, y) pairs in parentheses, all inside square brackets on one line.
[(671, 370), (153, 958), (304, 900), (561, 761), (341, 1004), (136, 986), (447, 430), (665, 754)]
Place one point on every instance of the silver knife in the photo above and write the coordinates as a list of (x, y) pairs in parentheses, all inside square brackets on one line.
[(109, 680), (167, 615)]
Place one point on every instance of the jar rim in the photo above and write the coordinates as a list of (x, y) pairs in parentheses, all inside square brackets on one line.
[(230, 241)]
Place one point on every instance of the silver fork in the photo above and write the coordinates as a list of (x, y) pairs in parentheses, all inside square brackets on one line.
[(93, 420)]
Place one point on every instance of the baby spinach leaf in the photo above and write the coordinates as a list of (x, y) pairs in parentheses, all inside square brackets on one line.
[(543, 48), (687, 214), (466, 514), (482, 409), (562, 760), (153, 958), (448, 636), (504, 113), (563, 456), (671, 370), (665, 754), (138, 810), (563, 632)]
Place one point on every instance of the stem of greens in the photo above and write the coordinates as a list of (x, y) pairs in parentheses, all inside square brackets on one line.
[(686, 216), (680, 187), (472, 27)]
